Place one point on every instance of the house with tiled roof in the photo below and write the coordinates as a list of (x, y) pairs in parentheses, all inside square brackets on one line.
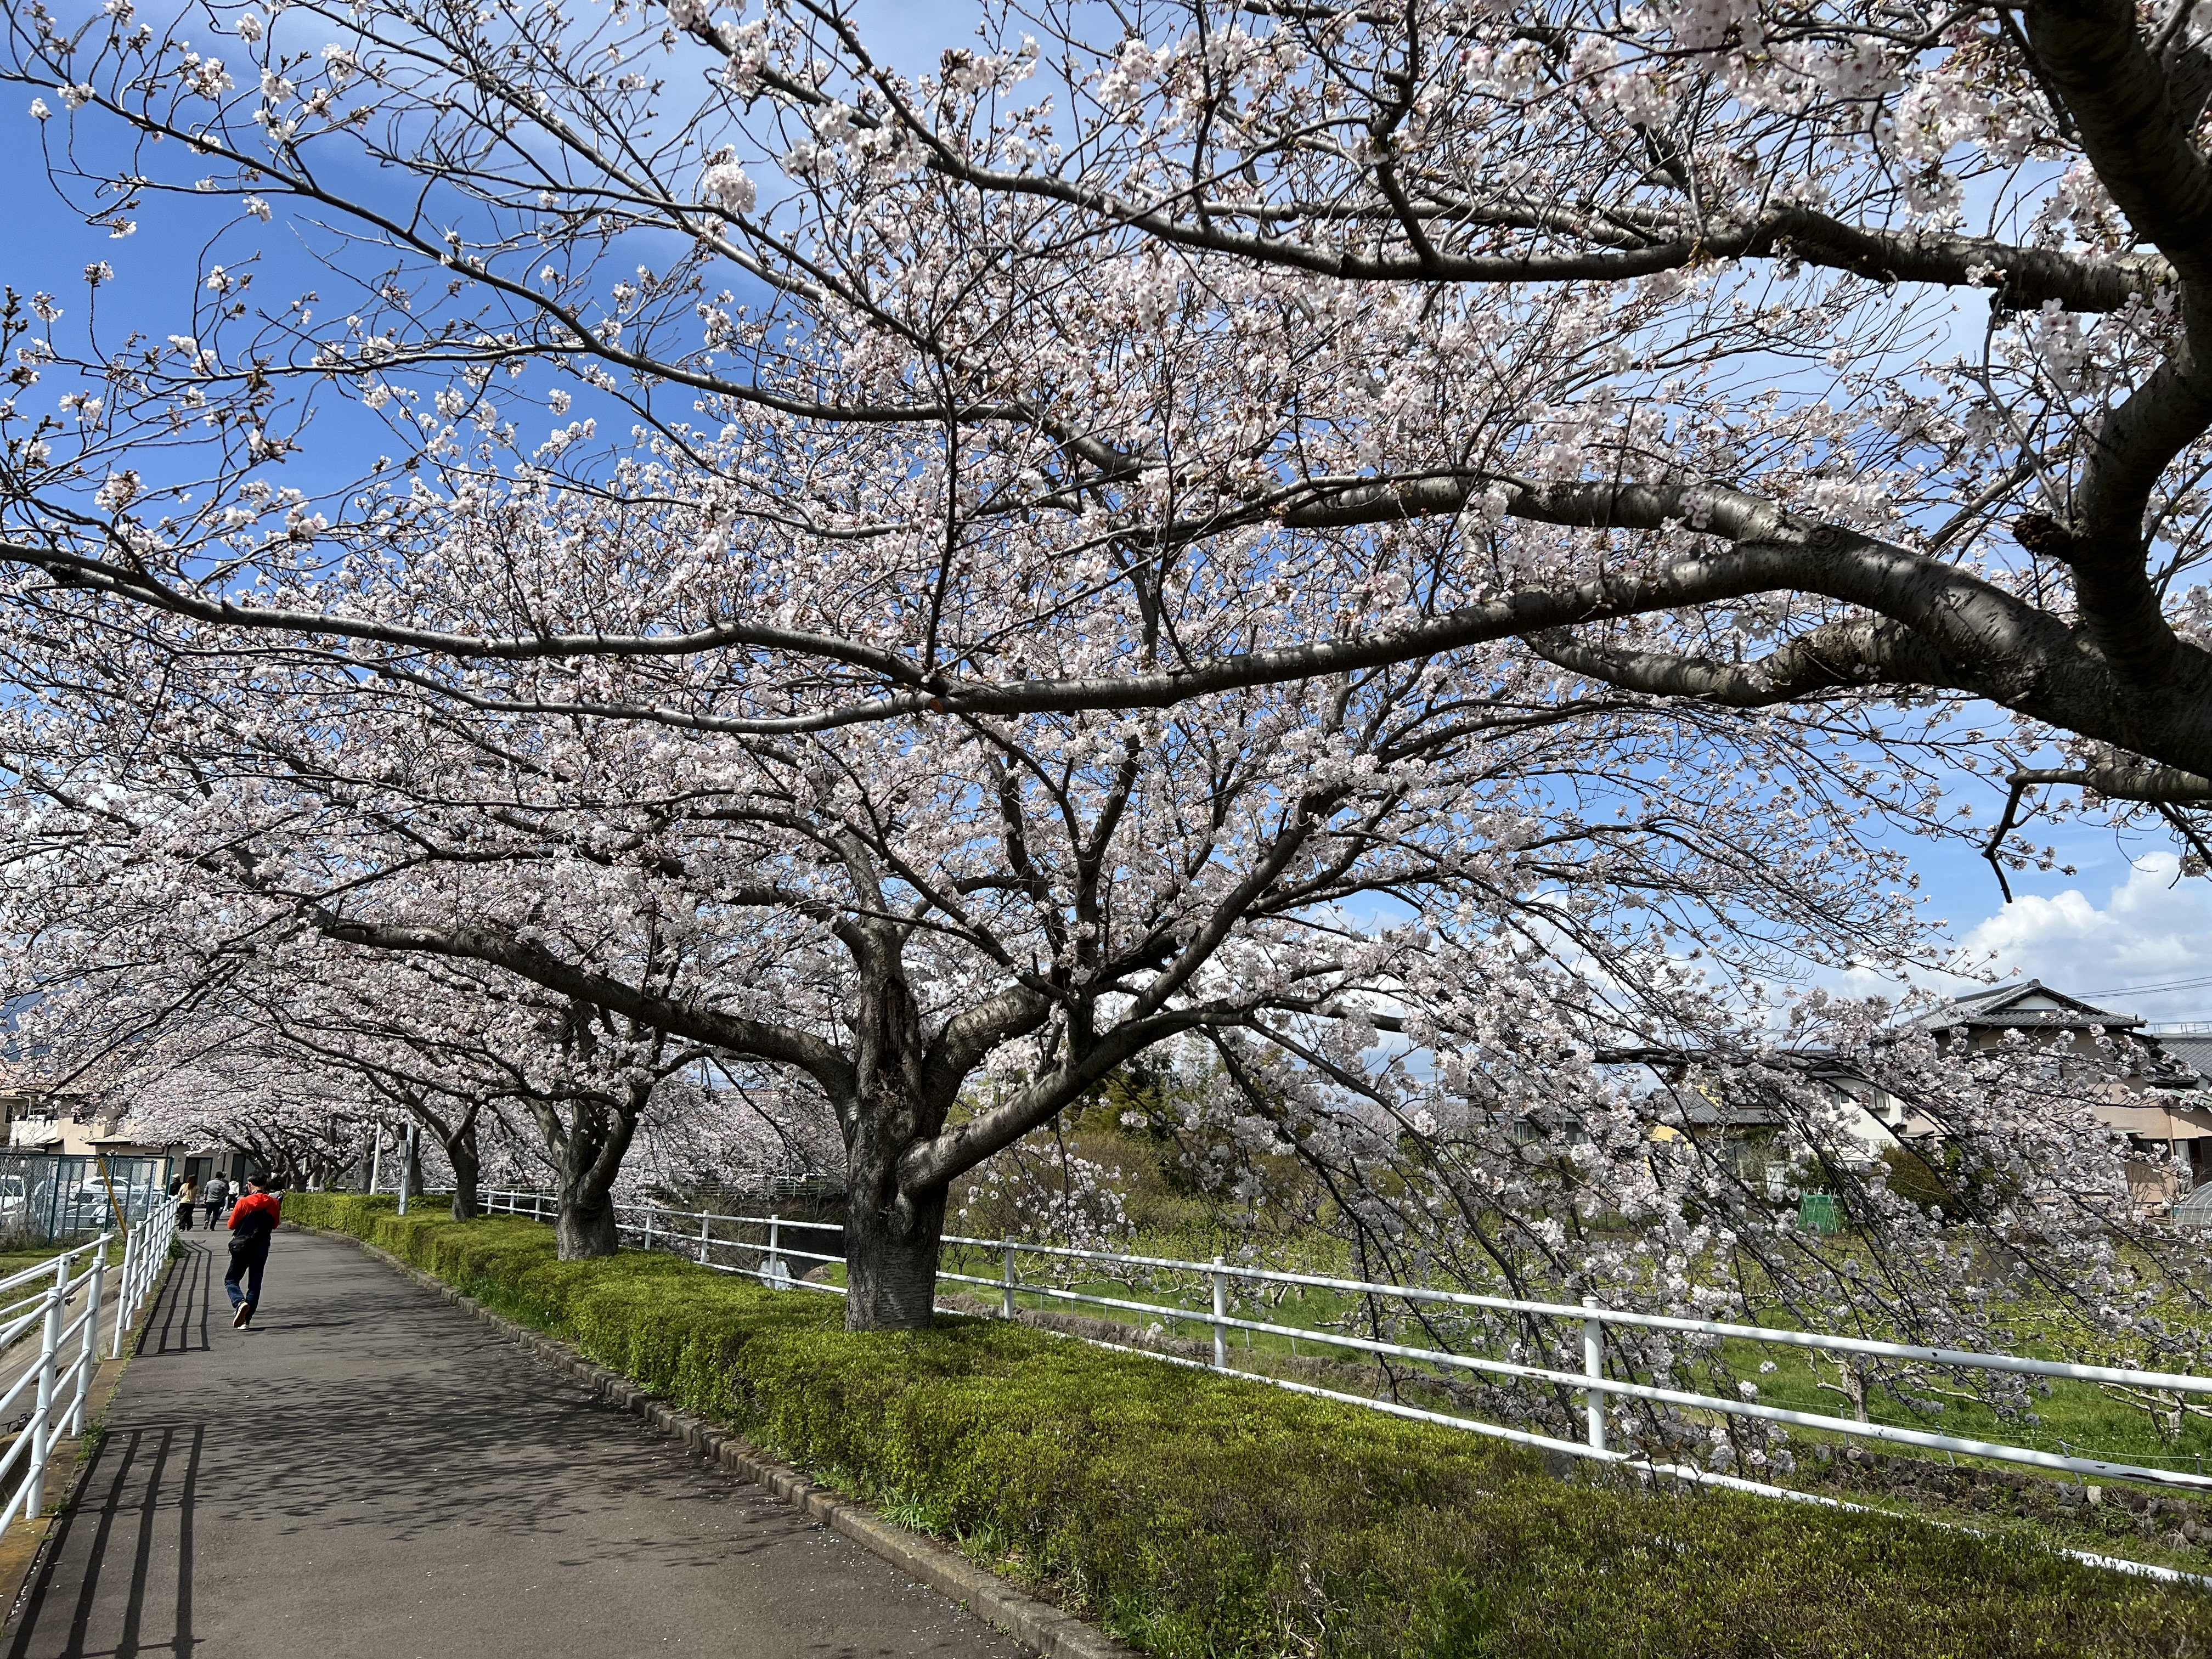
[(2163, 1102)]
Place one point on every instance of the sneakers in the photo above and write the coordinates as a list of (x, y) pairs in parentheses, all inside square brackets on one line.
[(245, 1316)]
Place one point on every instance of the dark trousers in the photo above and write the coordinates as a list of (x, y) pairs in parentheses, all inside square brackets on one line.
[(184, 1216), (213, 1210), (247, 1262)]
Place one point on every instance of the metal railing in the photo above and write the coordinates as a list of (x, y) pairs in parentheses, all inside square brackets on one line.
[(145, 1253), (59, 1381), (757, 1184), (693, 1234)]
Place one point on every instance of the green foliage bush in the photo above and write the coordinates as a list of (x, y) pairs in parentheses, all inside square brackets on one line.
[(1202, 1517)]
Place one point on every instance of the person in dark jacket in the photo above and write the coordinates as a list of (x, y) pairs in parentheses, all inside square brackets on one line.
[(252, 1220)]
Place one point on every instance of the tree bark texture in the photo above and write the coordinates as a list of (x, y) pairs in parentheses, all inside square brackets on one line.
[(891, 1234), (587, 1151), (468, 1164), (891, 1248), (584, 1227)]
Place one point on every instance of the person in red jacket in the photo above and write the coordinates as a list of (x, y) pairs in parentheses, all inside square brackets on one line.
[(252, 1220)]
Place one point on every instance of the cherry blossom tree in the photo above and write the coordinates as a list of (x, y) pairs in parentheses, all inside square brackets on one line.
[(1756, 358), (300, 1125), (1269, 522), (471, 1046), (1543, 1171), (452, 1047), (899, 914)]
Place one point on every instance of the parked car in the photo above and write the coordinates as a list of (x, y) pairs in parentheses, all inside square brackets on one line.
[(87, 1206)]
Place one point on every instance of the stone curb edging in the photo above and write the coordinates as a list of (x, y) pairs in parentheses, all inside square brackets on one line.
[(1029, 1620)]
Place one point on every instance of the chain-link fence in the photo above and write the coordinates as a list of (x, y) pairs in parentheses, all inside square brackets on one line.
[(46, 1196)]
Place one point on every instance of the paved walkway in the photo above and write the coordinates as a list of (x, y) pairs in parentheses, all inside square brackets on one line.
[(369, 1471)]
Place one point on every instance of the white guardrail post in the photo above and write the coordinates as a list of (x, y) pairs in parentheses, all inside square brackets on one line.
[(1220, 1313), (126, 1289), (42, 1416), (775, 1250), (89, 1355), (1594, 1366), (1007, 1305)]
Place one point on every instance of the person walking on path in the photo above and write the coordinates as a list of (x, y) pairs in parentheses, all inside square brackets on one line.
[(252, 1220), (188, 1194), (218, 1196)]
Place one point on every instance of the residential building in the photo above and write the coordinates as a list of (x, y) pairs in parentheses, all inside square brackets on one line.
[(2163, 1100)]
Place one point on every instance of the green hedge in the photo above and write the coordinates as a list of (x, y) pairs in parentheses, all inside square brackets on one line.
[(1198, 1515)]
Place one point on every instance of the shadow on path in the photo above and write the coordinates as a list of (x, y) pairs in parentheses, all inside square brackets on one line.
[(180, 1320), (141, 1475)]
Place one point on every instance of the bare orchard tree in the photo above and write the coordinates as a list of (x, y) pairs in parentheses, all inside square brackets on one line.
[(1748, 357)]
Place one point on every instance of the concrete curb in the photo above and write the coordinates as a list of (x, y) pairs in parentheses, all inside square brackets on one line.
[(1029, 1620)]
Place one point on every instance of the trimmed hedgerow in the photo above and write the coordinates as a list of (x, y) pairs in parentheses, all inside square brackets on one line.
[(1202, 1516)]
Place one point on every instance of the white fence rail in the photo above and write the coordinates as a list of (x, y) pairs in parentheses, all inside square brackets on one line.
[(692, 1233), (145, 1251), (39, 1297)]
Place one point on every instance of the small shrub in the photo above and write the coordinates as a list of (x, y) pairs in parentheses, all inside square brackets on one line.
[(1200, 1515), (1911, 1177)]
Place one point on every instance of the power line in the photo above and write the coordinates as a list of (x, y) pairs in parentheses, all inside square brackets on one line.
[(2162, 985)]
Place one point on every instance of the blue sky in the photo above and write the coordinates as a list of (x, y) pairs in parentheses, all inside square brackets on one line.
[(2121, 928)]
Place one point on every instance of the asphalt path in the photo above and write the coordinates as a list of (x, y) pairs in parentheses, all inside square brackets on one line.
[(369, 1471)]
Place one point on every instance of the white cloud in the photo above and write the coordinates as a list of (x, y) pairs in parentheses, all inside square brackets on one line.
[(2151, 930)]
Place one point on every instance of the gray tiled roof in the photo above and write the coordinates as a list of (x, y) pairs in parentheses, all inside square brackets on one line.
[(2001, 1008), (2192, 1051)]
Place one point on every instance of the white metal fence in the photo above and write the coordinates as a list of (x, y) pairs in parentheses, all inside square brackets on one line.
[(145, 1251), (770, 1258), (41, 1296)]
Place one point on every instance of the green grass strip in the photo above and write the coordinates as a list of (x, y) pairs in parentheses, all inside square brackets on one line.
[(1202, 1517)]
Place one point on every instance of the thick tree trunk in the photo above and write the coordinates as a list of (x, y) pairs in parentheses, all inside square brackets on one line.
[(890, 1260), (584, 1227), (588, 1154), (461, 1153), (891, 1237)]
